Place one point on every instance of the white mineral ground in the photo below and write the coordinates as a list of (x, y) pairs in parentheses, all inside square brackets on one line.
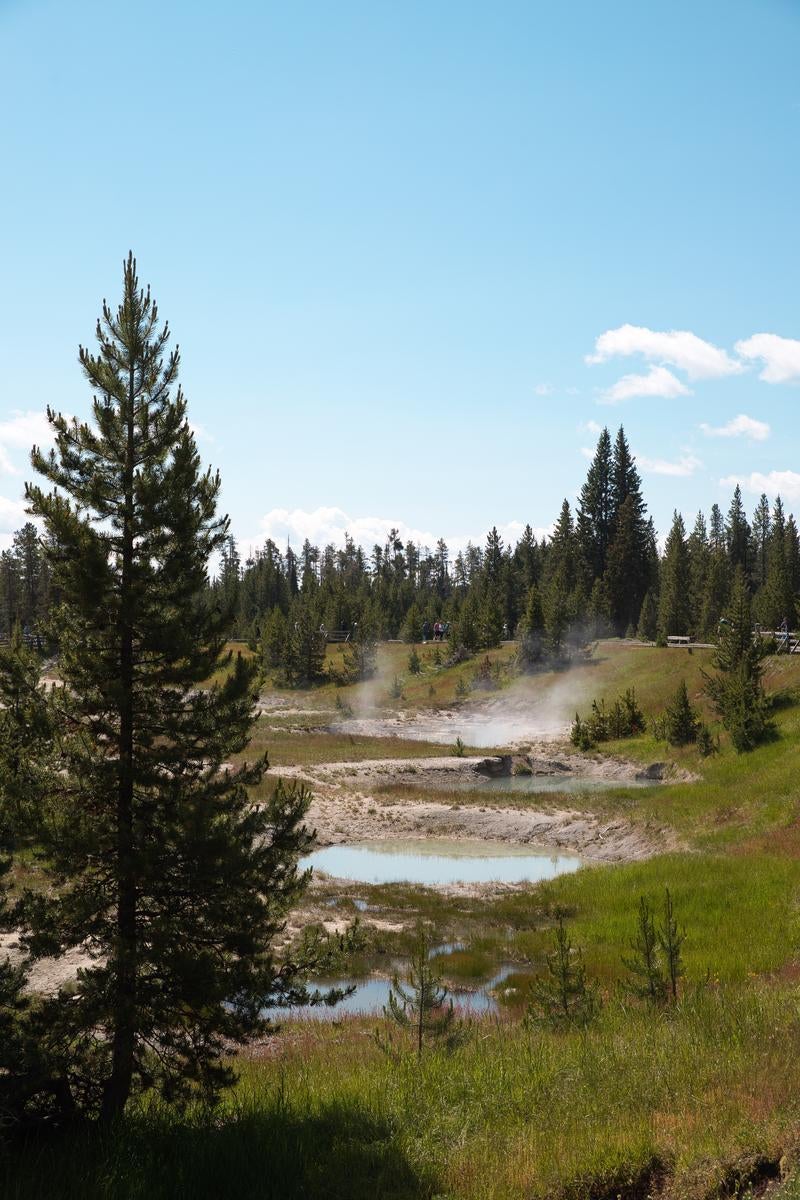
[(347, 808)]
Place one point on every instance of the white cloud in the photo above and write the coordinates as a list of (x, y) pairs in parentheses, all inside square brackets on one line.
[(12, 514), (676, 348), (741, 426), (200, 432), (544, 389), (657, 382), (591, 427), (24, 429), (324, 525), (19, 432), (780, 355), (687, 464), (783, 483)]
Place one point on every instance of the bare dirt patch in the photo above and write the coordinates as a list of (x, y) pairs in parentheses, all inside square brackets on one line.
[(344, 810)]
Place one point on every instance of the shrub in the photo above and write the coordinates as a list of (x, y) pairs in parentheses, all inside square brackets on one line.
[(681, 725), (707, 744)]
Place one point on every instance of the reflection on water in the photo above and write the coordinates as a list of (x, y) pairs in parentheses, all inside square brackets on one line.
[(437, 861), (372, 995)]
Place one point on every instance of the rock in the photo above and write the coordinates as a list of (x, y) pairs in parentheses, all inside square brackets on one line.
[(548, 766), (656, 771), (494, 768)]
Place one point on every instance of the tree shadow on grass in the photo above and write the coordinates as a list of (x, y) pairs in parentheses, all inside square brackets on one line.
[(340, 1153)]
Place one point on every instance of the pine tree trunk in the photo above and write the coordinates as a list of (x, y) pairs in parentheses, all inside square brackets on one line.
[(118, 1085)]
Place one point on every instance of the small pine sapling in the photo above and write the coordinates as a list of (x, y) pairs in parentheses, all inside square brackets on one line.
[(420, 1003), (563, 998), (598, 722), (681, 719), (634, 717), (414, 664), (671, 939), (647, 979), (737, 690), (707, 744), (580, 735)]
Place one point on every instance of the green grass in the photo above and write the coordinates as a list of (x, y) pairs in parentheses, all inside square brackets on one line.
[(687, 1099), (297, 749)]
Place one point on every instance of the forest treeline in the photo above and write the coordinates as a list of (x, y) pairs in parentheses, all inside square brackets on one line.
[(599, 573)]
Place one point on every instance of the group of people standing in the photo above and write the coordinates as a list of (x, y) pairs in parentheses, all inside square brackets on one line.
[(440, 631)]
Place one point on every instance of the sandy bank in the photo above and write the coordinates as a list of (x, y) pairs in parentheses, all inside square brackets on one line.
[(344, 810)]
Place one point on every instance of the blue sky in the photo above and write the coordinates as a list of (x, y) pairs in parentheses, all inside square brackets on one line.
[(390, 238)]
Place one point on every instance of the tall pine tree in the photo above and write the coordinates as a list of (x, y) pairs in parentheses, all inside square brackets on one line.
[(163, 871), (674, 610), (595, 511)]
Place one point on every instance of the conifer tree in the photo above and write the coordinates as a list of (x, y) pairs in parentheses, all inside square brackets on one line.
[(673, 613), (563, 997), (625, 480), (493, 556), (699, 556), (420, 1003), (361, 653), (681, 719), (716, 529), (626, 574), (162, 869), (776, 601), (647, 978), (647, 630), (595, 510), (532, 633), (761, 527), (737, 533), (304, 650), (526, 559), (792, 543), (557, 618), (600, 609), (412, 626), (273, 639), (561, 553), (671, 939), (33, 575), (717, 589), (736, 691), (28, 1091), (464, 634), (491, 619), (27, 732)]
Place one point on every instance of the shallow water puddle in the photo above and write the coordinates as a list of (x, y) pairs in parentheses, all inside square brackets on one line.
[(441, 862), (372, 996)]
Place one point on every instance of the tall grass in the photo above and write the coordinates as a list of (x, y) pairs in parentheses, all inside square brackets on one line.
[(688, 1096)]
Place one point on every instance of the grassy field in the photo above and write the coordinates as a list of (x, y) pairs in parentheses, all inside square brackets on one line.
[(696, 1102), (691, 1104)]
